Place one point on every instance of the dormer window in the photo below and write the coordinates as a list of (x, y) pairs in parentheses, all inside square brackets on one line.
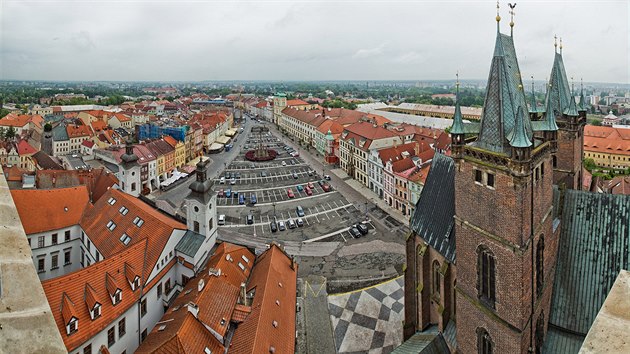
[(72, 326), (138, 221), (125, 239), (112, 201), (96, 311), (135, 284), (123, 210), (117, 297), (111, 225)]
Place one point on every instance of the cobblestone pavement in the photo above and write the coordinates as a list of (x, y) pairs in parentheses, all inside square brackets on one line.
[(368, 320)]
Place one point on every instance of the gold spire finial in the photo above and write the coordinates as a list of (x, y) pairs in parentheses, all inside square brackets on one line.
[(498, 18), (560, 45), (512, 13), (555, 41)]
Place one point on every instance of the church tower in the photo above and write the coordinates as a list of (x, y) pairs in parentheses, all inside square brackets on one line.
[(130, 172), (567, 161), (201, 204), (503, 213), (279, 103)]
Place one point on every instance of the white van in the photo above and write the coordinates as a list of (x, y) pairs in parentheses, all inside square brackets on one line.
[(221, 219)]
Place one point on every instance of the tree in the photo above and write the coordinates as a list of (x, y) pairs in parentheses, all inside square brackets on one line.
[(10, 133), (2, 133), (589, 164), (595, 122), (47, 127)]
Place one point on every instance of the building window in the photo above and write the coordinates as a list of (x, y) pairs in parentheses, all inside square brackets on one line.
[(486, 275), (122, 328), (159, 290), (143, 335), (196, 226), (490, 180), (40, 242), (54, 239), (41, 264), (87, 349), (167, 287), (111, 337), (478, 176), (143, 307), (540, 265), (72, 326), (55, 261), (540, 333), (484, 342), (67, 236), (66, 257), (437, 278), (554, 161)]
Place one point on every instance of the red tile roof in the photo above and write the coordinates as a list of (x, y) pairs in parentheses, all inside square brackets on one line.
[(77, 131), (363, 133), (98, 125), (296, 102), (60, 208), (394, 153), (97, 180), (87, 143), (607, 140), (69, 296), (157, 227), (170, 140), (16, 120), (122, 118), (274, 280), (24, 148)]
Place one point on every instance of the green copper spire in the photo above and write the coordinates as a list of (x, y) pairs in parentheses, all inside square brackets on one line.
[(582, 104), (458, 122), (519, 138), (571, 111), (550, 118), (559, 91)]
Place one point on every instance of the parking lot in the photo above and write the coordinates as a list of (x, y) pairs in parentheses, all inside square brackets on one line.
[(255, 197)]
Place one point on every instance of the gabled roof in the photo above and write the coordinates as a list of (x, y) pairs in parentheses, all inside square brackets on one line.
[(366, 132), (67, 295), (594, 246), (45, 161), (274, 281), (215, 292), (433, 217), (296, 102), (394, 153), (24, 148), (77, 131), (157, 228), (62, 207)]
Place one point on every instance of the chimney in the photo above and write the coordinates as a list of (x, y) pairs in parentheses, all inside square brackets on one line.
[(243, 296), (417, 148), (193, 308)]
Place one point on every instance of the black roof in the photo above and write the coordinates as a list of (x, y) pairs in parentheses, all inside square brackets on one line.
[(594, 247), (433, 218)]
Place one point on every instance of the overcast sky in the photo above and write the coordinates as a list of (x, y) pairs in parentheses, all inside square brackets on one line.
[(305, 40)]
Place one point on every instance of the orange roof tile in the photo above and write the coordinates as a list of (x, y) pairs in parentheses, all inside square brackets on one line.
[(274, 303), (60, 208), (15, 120), (77, 131), (24, 148), (296, 102), (170, 140), (215, 302), (98, 125), (156, 227), (91, 298), (66, 294)]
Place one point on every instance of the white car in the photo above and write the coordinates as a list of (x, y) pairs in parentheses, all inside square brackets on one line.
[(221, 219), (284, 163), (233, 180), (222, 180)]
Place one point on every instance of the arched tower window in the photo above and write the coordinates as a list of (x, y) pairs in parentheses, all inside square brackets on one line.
[(437, 278), (540, 265), (484, 342), (486, 275), (554, 160)]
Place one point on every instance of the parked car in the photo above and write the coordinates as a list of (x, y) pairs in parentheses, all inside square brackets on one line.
[(299, 211), (250, 219), (290, 193), (221, 193), (362, 228), (252, 198), (284, 163), (355, 232), (327, 177), (228, 193), (291, 224), (311, 172), (221, 219), (281, 226), (310, 185), (238, 175), (295, 176), (241, 199), (308, 191), (228, 175), (263, 174), (326, 187), (274, 226), (222, 180), (300, 222), (233, 181), (299, 188), (321, 182)]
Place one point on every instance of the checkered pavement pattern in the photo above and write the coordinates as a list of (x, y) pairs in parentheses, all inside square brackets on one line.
[(368, 320)]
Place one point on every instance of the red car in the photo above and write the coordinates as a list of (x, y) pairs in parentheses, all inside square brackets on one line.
[(326, 187), (290, 193), (308, 191), (220, 194), (310, 185)]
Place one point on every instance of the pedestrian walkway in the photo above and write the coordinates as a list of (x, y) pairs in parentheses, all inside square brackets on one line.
[(368, 320)]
